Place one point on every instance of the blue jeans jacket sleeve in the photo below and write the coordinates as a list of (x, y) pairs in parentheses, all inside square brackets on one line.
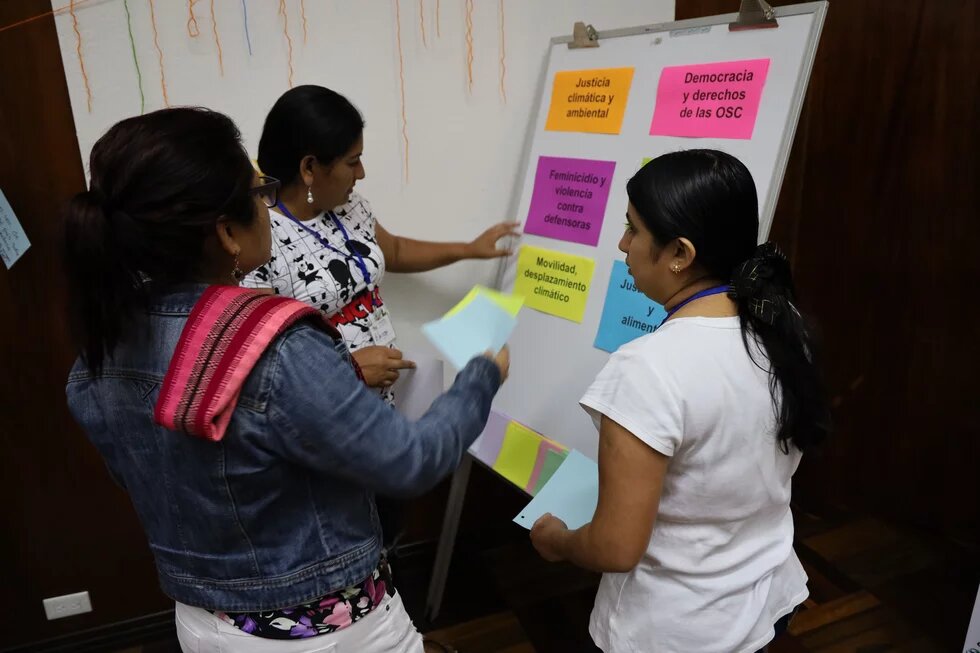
[(323, 417)]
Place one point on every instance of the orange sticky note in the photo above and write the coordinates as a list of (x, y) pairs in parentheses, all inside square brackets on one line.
[(589, 100)]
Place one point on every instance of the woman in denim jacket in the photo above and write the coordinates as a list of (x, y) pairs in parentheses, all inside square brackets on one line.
[(237, 422)]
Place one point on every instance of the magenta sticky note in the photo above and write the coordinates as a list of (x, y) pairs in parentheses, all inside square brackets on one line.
[(712, 100), (569, 199)]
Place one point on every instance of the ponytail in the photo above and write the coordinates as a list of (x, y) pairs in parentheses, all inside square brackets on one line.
[(709, 197), (102, 291), (762, 287)]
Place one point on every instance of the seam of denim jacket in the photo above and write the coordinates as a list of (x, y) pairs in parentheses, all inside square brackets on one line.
[(332, 564)]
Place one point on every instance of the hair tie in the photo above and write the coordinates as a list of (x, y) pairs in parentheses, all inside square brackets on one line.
[(760, 283)]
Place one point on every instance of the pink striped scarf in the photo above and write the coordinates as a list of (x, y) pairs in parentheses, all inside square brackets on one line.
[(225, 335)]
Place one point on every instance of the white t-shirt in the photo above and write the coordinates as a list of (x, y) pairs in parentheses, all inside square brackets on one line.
[(720, 568), (303, 268)]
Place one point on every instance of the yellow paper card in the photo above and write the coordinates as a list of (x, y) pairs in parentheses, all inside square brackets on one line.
[(589, 100), (510, 303), (518, 453), (554, 282)]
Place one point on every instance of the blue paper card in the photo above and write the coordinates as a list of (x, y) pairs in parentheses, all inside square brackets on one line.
[(627, 313), (478, 327), (571, 494), (13, 240)]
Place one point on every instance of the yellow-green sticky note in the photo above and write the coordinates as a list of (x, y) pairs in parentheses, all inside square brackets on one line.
[(518, 453), (554, 282), (510, 303)]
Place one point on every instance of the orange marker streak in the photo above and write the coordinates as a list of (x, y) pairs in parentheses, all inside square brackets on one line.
[(81, 59), (401, 79), (217, 40), (156, 44)]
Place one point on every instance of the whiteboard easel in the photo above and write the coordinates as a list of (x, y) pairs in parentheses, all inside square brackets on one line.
[(544, 386)]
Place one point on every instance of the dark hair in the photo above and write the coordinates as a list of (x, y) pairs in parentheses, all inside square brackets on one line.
[(709, 198), (159, 182), (307, 120)]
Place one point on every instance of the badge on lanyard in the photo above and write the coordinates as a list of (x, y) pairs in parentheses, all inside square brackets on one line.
[(382, 331)]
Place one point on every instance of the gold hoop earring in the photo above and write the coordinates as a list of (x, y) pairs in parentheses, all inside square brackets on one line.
[(237, 271)]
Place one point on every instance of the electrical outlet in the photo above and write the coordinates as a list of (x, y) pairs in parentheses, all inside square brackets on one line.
[(65, 606)]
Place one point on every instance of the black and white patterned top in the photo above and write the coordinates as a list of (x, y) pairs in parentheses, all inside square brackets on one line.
[(301, 267)]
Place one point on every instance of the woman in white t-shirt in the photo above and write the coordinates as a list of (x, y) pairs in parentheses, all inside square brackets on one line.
[(701, 426), (328, 249)]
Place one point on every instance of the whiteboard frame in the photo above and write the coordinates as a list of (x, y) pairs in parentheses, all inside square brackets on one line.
[(819, 11), (457, 495)]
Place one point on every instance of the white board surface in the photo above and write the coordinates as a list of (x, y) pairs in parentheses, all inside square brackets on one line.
[(553, 360)]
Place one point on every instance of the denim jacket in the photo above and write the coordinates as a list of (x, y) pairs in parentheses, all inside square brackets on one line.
[(281, 511)]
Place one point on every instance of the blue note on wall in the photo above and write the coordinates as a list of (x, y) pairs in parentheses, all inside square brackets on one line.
[(627, 314), (478, 327), (571, 494), (13, 240)]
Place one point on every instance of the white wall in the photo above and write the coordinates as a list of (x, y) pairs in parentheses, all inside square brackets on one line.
[(465, 148)]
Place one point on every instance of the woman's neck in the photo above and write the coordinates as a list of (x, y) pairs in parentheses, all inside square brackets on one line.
[(711, 306), (294, 198)]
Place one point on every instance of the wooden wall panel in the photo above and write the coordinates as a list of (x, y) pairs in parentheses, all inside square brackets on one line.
[(64, 527), (881, 215)]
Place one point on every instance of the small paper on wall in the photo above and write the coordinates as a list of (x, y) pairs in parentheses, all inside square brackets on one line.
[(13, 240), (554, 282)]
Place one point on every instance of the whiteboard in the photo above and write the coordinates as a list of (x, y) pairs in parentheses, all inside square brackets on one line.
[(553, 361)]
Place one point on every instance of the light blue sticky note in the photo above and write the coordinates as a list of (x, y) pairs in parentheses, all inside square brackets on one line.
[(13, 240), (627, 313), (571, 494), (478, 327)]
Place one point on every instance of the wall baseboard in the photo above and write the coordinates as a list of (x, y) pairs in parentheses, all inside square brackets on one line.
[(111, 637), (160, 625)]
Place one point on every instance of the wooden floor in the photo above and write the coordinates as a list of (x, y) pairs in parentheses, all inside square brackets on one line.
[(874, 588)]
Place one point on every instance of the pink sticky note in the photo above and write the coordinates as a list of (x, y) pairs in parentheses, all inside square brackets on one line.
[(712, 100), (569, 199), (487, 446), (543, 450)]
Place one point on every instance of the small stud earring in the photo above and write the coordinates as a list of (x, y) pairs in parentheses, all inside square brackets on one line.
[(237, 272), (309, 194), (676, 269)]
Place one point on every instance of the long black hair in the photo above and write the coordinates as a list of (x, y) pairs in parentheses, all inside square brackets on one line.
[(307, 120), (159, 182), (709, 198)]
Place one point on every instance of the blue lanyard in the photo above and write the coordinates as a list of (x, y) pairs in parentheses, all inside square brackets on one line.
[(717, 290), (323, 241)]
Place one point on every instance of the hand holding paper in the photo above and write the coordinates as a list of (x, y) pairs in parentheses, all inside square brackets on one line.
[(571, 495)]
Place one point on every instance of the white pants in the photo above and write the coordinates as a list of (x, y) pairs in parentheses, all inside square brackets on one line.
[(388, 629)]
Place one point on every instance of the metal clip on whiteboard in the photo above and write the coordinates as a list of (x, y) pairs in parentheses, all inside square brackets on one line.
[(583, 36), (754, 14)]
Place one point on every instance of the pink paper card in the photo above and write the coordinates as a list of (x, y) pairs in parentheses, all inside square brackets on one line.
[(712, 100)]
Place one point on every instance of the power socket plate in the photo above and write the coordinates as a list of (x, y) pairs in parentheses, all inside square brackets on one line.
[(58, 607)]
